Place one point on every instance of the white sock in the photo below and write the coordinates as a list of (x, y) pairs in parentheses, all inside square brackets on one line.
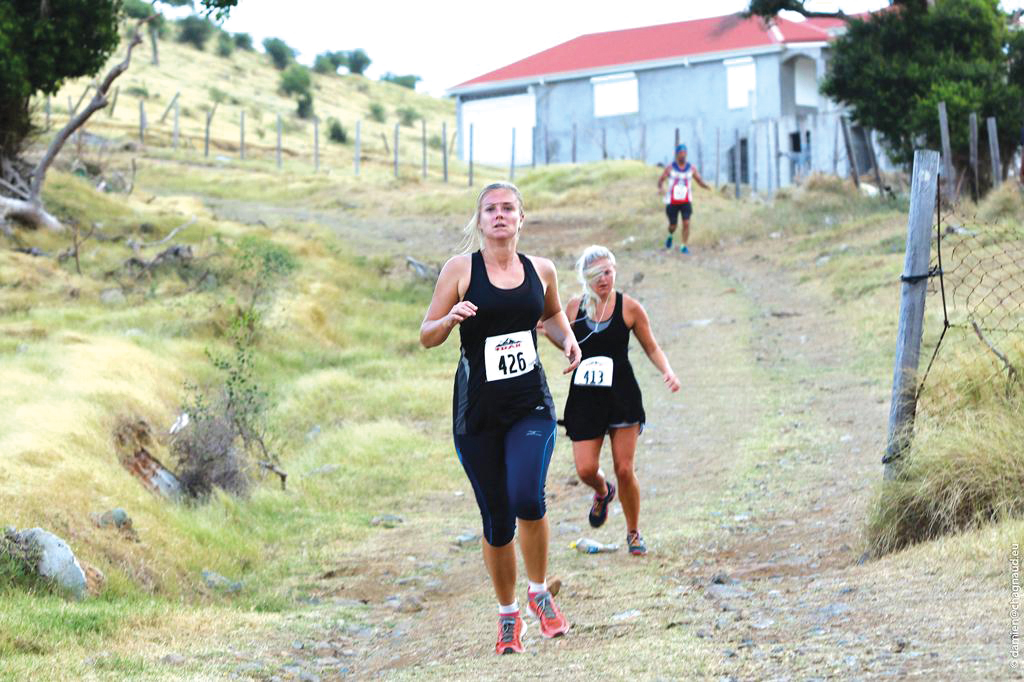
[(504, 609), (534, 588)]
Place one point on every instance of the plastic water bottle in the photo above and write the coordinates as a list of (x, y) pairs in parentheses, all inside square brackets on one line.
[(588, 546)]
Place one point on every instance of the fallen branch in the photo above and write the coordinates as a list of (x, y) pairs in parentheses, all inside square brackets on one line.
[(422, 269), (138, 246), (1011, 371), (270, 466)]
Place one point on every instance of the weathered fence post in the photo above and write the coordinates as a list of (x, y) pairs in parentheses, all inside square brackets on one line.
[(677, 139), (177, 129), (851, 158), (778, 157), (973, 124), (470, 154), (718, 157), (359, 146), (868, 137), (736, 163), (241, 135), (993, 150), (912, 298), (533, 147), (835, 150), (113, 102), (574, 142), (279, 140), (643, 141), (142, 121), (316, 144), (949, 183), (512, 159), (604, 143), (170, 105), (444, 148), (423, 125), (206, 137), (752, 160), (769, 178), (49, 107), (547, 149), (396, 149)]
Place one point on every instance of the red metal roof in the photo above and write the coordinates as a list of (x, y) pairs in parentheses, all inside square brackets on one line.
[(653, 43)]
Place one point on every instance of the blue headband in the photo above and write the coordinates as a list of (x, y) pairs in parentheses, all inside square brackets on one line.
[(680, 148)]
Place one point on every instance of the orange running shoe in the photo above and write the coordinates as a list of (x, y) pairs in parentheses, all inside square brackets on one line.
[(510, 634), (542, 607)]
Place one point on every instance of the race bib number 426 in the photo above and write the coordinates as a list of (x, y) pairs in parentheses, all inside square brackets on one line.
[(509, 355), (595, 371)]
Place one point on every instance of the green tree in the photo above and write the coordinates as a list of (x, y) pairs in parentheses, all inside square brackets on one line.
[(295, 80), (357, 61), (225, 45), (280, 53), (243, 41), (408, 81), (324, 63), (893, 70), (42, 45), (195, 31)]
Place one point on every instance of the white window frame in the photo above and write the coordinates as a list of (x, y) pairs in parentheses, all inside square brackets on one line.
[(805, 82), (740, 80), (616, 95)]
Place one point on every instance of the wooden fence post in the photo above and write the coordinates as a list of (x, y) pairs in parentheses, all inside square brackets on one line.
[(359, 146), (835, 150), (851, 158), (768, 178), (444, 148), (778, 157), (547, 149), (512, 159), (177, 129), (677, 142), (993, 150), (868, 137), (174, 100), (142, 121), (316, 144), (241, 135), (912, 299), (643, 141), (949, 174), (604, 143), (718, 157), (973, 124), (752, 154), (574, 142), (49, 109), (113, 102), (533, 147), (206, 138), (470, 154), (396, 150), (736, 166), (279, 140), (423, 125)]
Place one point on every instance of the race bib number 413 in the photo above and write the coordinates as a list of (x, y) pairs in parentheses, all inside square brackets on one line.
[(595, 371), (509, 355)]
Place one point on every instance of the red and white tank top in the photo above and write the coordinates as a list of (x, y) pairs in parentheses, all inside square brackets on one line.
[(679, 184)]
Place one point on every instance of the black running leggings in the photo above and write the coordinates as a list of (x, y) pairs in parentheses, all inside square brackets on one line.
[(507, 470)]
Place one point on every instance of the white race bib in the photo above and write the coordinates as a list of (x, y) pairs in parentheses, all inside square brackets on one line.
[(509, 355), (595, 371), (680, 191)]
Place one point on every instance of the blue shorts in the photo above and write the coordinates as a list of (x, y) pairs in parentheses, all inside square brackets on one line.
[(507, 470)]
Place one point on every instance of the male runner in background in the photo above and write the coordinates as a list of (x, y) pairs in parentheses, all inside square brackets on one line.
[(679, 197)]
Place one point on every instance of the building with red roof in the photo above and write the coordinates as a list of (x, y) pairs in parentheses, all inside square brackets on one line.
[(630, 93)]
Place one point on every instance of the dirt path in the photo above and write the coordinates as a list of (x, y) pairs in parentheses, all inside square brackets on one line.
[(754, 481)]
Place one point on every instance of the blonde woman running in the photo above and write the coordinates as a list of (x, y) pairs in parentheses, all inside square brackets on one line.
[(604, 397), (503, 415)]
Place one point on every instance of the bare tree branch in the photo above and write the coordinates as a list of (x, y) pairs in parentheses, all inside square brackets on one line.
[(1011, 371), (98, 101)]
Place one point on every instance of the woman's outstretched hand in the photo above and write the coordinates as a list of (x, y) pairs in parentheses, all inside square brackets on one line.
[(671, 380), (572, 353), (459, 313)]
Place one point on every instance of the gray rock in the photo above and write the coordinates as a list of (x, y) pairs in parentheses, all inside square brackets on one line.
[(631, 614), (717, 591), (117, 518), (56, 560), (762, 623), (306, 676), (250, 667), (387, 520), (173, 659), (215, 581), (407, 604), (468, 540), (324, 470), (722, 578), (833, 610), (113, 296)]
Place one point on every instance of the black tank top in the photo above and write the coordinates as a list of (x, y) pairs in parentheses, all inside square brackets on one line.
[(611, 341), (515, 390)]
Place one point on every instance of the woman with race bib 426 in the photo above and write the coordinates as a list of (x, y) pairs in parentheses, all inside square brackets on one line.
[(503, 415)]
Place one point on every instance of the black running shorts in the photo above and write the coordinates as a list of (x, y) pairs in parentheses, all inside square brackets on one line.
[(673, 211)]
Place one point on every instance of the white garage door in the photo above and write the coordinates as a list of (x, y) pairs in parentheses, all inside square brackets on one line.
[(493, 119)]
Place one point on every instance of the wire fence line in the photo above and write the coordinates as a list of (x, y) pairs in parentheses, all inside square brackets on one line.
[(975, 333)]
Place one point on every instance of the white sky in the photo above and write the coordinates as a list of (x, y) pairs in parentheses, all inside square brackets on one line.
[(452, 41)]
